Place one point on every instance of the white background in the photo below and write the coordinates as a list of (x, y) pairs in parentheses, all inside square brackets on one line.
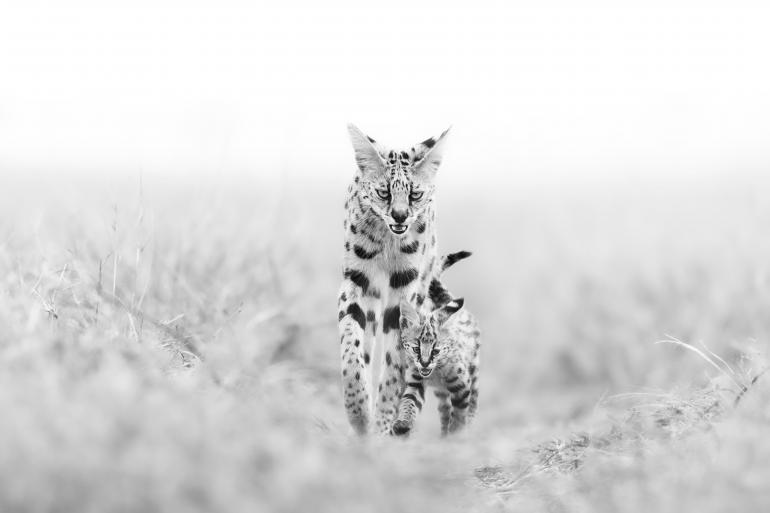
[(533, 90)]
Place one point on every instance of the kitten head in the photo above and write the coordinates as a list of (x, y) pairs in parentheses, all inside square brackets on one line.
[(420, 334)]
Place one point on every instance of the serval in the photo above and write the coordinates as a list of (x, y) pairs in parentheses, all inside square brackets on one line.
[(443, 346), (390, 256)]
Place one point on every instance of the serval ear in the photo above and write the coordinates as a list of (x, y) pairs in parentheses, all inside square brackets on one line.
[(367, 156), (430, 153), (448, 310), (409, 316)]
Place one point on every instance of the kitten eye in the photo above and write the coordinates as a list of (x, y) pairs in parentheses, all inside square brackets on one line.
[(383, 193), (435, 352), (416, 195), (415, 350)]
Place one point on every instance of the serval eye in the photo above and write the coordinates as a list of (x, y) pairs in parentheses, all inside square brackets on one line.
[(383, 193), (416, 195), (435, 352), (415, 350)]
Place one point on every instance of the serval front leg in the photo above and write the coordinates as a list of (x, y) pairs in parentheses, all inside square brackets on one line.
[(403, 284), (410, 404), (391, 383), (355, 351)]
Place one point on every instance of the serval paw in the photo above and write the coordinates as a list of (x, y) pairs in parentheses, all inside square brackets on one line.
[(401, 428)]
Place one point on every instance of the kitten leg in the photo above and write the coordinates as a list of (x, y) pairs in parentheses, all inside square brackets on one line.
[(444, 410), (459, 397), (410, 404)]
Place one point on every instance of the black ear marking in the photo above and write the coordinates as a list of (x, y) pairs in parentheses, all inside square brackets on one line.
[(438, 293), (443, 314), (454, 305), (430, 155)]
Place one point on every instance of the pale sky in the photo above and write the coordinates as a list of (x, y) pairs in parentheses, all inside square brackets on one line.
[(531, 89)]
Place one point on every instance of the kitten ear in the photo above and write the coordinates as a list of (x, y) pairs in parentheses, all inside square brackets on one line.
[(448, 310), (367, 156), (409, 316), (430, 153)]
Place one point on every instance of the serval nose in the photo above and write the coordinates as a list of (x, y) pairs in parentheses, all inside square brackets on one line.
[(398, 216)]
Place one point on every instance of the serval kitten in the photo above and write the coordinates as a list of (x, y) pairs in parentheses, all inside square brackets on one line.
[(443, 349), (390, 256)]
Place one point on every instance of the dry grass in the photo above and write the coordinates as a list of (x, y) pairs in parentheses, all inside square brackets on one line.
[(174, 349)]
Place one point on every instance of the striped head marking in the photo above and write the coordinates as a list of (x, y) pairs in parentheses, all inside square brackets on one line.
[(420, 334), (397, 184)]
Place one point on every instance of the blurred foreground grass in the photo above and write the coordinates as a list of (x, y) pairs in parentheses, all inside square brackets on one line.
[(174, 348)]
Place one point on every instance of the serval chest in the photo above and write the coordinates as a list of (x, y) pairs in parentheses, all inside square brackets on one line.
[(384, 265)]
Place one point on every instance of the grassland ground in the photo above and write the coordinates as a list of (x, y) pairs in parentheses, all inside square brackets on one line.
[(174, 348)]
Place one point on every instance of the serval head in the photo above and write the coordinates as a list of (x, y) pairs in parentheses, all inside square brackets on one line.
[(420, 334), (397, 185)]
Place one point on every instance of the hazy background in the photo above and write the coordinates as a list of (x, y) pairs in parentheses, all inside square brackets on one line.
[(534, 90), (171, 185)]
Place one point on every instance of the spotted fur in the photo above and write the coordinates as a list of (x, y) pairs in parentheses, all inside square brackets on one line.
[(442, 348), (390, 256)]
